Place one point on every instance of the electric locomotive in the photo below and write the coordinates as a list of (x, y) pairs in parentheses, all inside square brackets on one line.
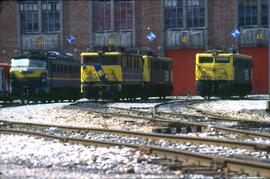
[(115, 74), (223, 74), (45, 75)]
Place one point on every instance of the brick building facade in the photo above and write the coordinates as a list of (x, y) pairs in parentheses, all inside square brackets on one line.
[(9, 41), (182, 28)]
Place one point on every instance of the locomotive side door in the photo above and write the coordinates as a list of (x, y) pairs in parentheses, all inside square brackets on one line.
[(146, 69)]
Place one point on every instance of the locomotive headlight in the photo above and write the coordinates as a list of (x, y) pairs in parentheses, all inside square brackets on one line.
[(43, 77), (94, 77), (87, 77)]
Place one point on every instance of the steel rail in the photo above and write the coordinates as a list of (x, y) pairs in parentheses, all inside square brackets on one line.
[(118, 114), (206, 127), (213, 116), (229, 165), (158, 114), (209, 115), (150, 136), (169, 121)]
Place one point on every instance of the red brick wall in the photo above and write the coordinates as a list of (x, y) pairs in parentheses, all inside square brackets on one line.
[(77, 22), (148, 14), (8, 30), (221, 16)]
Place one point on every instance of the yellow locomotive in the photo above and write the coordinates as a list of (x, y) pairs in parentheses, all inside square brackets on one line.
[(223, 74), (45, 75), (115, 74)]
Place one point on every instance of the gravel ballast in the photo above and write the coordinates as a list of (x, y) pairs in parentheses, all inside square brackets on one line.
[(30, 157)]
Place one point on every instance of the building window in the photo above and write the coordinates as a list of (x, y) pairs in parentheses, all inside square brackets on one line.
[(253, 13), (29, 16), (174, 13), (195, 13), (112, 14), (102, 14), (184, 13), (123, 14), (248, 12), (50, 15), (264, 12), (30, 19)]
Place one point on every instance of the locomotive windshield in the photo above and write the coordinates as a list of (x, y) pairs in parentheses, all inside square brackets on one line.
[(206, 59), (103, 60), (25, 63), (222, 60)]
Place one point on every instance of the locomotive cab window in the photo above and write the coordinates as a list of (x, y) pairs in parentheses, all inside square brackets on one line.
[(28, 63), (109, 60), (91, 59), (206, 60), (222, 60)]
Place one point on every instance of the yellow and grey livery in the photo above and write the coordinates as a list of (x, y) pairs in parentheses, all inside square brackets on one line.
[(115, 74), (45, 75), (223, 74)]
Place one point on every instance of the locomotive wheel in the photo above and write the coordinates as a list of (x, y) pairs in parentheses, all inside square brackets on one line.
[(145, 98), (225, 97), (115, 99), (25, 101), (207, 97)]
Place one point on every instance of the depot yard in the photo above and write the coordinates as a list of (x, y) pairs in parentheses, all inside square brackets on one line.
[(35, 157)]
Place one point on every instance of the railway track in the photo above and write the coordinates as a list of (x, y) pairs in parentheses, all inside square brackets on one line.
[(173, 122), (190, 105), (195, 160), (79, 131)]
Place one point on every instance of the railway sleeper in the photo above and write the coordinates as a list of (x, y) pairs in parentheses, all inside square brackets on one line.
[(263, 147), (174, 130), (219, 163), (185, 169), (208, 171), (164, 161), (145, 150)]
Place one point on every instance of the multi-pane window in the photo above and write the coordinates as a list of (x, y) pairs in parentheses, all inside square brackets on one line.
[(264, 12), (184, 13), (174, 13), (30, 11), (29, 16), (248, 11), (50, 15), (195, 13), (123, 14), (253, 12), (112, 14), (102, 14)]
